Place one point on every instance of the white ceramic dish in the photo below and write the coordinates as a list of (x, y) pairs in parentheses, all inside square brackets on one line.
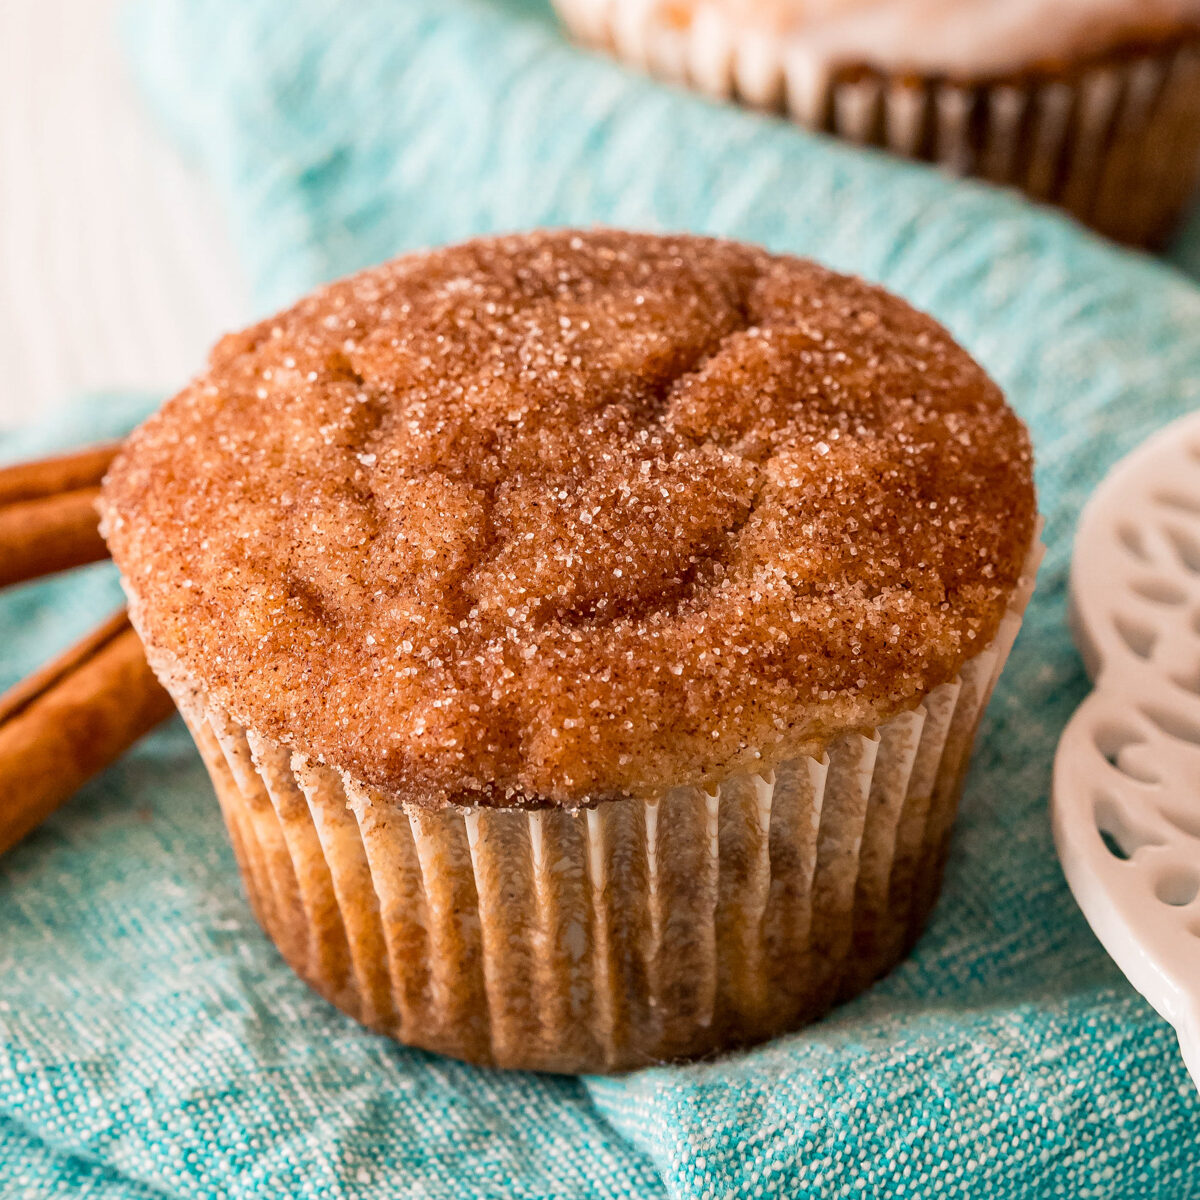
[(1126, 801)]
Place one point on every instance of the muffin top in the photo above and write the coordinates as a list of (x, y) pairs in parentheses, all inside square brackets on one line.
[(558, 517), (967, 38)]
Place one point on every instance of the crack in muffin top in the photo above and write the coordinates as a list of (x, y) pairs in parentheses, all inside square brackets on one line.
[(566, 516)]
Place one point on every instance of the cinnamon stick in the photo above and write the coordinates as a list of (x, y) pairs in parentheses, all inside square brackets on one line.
[(70, 720), (48, 519), (53, 476)]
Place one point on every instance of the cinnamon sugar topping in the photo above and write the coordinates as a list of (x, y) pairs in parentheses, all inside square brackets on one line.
[(556, 517)]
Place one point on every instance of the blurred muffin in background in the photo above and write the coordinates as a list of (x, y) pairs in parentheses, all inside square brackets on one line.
[(1093, 105)]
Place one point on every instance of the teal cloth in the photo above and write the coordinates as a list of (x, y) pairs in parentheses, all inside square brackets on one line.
[(153, 1044)]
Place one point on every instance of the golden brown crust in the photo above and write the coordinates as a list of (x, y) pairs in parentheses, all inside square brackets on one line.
[(574, 515)]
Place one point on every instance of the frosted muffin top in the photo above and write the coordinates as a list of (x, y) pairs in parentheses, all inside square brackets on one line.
[(564, 516), (966, 38)]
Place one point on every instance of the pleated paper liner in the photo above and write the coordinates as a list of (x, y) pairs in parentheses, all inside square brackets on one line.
[(1115, 141), (620, 935)]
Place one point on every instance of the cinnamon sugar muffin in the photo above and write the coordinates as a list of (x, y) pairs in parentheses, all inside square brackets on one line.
[(1093, 105), (585, 633)]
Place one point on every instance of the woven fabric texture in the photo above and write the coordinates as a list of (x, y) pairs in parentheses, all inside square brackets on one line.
[(153, 1044)]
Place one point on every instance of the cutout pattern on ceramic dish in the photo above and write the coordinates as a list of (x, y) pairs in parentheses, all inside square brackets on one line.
[(1126, 803)]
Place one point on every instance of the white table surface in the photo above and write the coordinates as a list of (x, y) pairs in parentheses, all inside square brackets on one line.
[(116, 270)]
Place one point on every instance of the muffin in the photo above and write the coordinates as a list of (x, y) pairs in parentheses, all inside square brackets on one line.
[(1093, 105), (585, 633)]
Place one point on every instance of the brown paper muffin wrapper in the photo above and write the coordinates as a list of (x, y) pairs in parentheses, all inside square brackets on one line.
[(628, 933), (1115, 140)]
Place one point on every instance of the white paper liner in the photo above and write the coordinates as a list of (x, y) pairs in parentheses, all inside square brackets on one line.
[(1117, 143), (620, 935)]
